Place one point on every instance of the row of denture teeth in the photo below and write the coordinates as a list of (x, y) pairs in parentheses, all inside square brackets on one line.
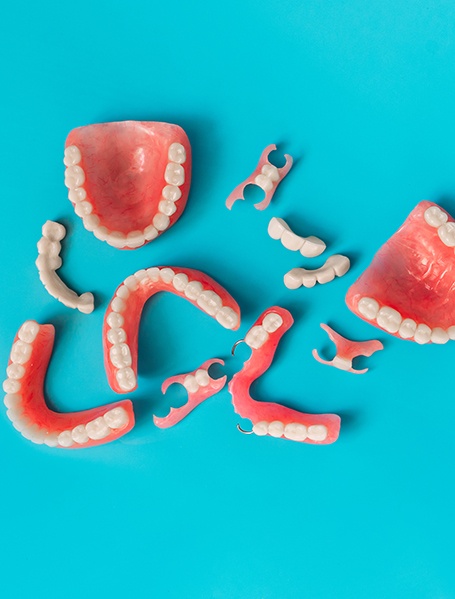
[(437, 218), (193, 382), (259, 334), (391, 321), (174, 176), (49, 246), (293, 431), (95, 430), (268, 176)]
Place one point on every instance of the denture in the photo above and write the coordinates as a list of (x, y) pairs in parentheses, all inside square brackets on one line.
[(407, 290), (266, 176), (199, 385), (27, 409), (335, 266), (121, 322), (347, 350), (271, 418), (128, 181), (49, 261), (309, 247)]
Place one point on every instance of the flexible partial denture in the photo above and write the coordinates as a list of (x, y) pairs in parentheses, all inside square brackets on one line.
[(308, 246), (271, 418), (49, 261), (129, 181), (335, 266), (347, 350), (27, 408), (408, 289), (121, 323), (200, 386), (266, 176)]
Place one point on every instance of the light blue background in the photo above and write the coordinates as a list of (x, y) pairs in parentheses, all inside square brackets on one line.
[(362, 95)]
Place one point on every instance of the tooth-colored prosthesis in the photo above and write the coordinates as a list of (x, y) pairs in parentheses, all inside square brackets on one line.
[(121, 322), (269, 418), (347, 350), (200, 386), (408, 289), (128, 181), (49, 261), (308, 246), (266, 176), (27, 409), (335, 266)]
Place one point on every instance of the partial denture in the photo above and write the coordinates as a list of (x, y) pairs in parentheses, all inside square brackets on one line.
[(49, 261), (271, 418), (121, 323), (27, 409), (335, 266), (199, 385), (266, 176), (309, 247), (347, 350), (128, 181), (407, 290)]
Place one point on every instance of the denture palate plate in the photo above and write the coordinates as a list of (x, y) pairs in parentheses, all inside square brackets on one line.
[(266, 176), (49, 261), (268, 418), (128, 181), (309, 247), (121, 323), (199, 385), (27, 409), (335, 266)]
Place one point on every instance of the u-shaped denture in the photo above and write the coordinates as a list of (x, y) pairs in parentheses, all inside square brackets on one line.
[(271, 418), (309, 247), (49, 261), (121, 323), (266, 176), (27, 409), (335, 266), (200, 386), (128, 181)]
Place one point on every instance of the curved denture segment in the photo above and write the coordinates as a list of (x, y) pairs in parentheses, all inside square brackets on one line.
[(121, 322), (335, 266), (200, 386), (266, 176), (408, 289), (347, 350), (309, 247), (271, 418), (128, 181), (27, 409)]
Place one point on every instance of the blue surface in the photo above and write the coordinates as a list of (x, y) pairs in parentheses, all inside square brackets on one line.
[(361, 94)]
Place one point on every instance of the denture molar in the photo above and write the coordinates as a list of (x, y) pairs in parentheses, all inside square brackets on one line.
[(308, 246)]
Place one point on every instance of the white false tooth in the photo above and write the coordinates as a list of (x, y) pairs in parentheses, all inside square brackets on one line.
[(389, 319), (180, 281), (174, 174), (256, 337), (439, 336), (131, 282), (193, 290), (422, 334), (446, 234), (309, 279), (150, 233), (116, 336), (325, 275), (272, 322), (51, 439), (276, 429), (435, 217), (28, 331), (11, 386), (116, 418), (342, 363), (123, 292), (172, 193), (293, 278), (166, 275), (368, 307), (52, 262), (126, 379), (11, 400), (118, 305), (312, 247), (141, 275), (83, 209), (295, 431), (261, 428), (20, 423), (276, 228), (21, 352), (120, 355), (115, 320), (264, 182), (407, 328), (77, 195), (291, 241), (202, 377), (227, 317), (317, 432), (74, 177), (33, 433), (177, 153), (135, 239), (153, 274), (190, 383), (451, 333), (79, 434), (72, 156), (161, 221), (91, 222), (15, 371), (167, 207), (65, 439), (210, 302), (116, 239), (270, 171), (101, 233), (340, 264), (15, 413), (97, 429)]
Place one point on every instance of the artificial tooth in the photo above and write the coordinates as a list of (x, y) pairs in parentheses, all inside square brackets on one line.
[(272, 322), (131, 282), (264, 182), (65, 439), (317, 432), (115, 320), (389, 319), (90, 222), (15, 413), (312, 247), (11, 386), (202, 377), (177, 153), (342, 363), (141, 275), (407, 328), (126, 379), (53, 262), (435, 217), (291, 241), (33, 433), (83, 209), (368, 307), (324, 275), (446, 234), (153, 274), (293, 278), (261, 428), (439, 336), (167, 274), (97, 429), (50, 439), (21, 352), (227, 317), (276, 429), (308, 279), (190, 383), (116, 336), (116, 239), (77, 195), (295, 431), (180, 281), (167, 207), (422, 334), (116, 418), (172, 193), (340, 264), (120, 355), (270, 171), (256, 337), (161, 221), (28, 331), (72, 156), (74, 177), (11, 401), (174, 174), (277, 227), (451, 333), (123, 292), (79, 434), (210, 302), (150, 233), (135, 239), (15, 371), (193, 290), (117, 304)]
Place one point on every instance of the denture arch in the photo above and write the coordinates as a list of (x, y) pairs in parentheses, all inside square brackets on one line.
[(122, 318)]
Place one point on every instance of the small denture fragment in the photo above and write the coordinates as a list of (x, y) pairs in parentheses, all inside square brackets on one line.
[(309, 247), (266, 176), (49, 261), (335, 266), (347, 350)]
